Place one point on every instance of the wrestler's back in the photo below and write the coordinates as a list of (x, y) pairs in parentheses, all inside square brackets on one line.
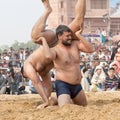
[(38, 61)]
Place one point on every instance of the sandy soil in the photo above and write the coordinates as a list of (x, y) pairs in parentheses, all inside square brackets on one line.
[(101, 106)]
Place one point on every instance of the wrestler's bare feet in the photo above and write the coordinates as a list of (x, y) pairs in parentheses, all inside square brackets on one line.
[(43, 0), (47, 6)]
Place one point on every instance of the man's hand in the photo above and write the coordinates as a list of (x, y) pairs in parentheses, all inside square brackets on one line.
[(51, 102), (44, 105), (78, 33), (41, 40)]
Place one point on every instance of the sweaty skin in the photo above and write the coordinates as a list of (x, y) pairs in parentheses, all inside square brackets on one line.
[(39, 29), (67, 64), (39, 63), (66, 60)]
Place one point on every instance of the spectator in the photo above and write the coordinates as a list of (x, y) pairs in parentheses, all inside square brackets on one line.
[(3, 84), (111, 81), (95, 62), (85, 82), (114, 50), (97, 79)]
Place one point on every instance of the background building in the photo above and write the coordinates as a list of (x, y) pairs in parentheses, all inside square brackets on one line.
[(98, 16)]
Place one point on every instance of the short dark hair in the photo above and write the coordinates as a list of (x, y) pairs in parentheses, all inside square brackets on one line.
[(111, 68), (62, 28)]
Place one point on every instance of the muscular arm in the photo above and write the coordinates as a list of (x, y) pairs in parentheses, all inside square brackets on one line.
[(84, 45), (46, 49), (33, 76)]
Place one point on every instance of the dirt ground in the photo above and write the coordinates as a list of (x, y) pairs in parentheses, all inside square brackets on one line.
[(101, 106)]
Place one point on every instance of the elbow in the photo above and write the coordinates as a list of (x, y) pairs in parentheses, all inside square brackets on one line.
[(48, 57)]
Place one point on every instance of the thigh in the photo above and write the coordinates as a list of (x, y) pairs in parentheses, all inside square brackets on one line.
[(64, 99), (80, 99)]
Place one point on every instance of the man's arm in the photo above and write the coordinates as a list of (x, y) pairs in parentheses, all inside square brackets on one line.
[(84, 45), (49, 53), (46, 49), (31, 73)]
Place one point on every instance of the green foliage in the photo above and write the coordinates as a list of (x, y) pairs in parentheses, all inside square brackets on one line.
[(16, 45), (3, 47)]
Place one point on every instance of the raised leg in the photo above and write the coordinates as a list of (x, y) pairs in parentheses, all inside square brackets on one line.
[(39, 27), (77, 23)]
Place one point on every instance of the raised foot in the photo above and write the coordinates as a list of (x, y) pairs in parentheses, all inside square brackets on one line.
[(44, 0), (47, 6)]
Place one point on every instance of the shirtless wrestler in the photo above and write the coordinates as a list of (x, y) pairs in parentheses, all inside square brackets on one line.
[(39, 27), (37, 67), (37, 64), (66, 59)]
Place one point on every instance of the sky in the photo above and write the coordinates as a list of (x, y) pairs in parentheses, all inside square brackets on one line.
[(113, 2), (17, 18)]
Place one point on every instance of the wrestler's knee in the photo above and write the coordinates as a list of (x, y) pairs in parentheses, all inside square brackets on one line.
[(76, 25), (84, 103)]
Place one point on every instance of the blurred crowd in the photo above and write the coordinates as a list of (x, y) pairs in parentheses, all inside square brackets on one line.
[(11, 79), (99, 70)]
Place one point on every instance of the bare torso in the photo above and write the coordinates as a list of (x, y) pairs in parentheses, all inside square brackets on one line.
[(67, 66), (39, 62)]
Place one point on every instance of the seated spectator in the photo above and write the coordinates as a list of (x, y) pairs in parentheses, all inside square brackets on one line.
[(116, 51), (95, 62), (3, 85), (116, 66), (85, 82), (14, 80), (97, 79), (111, 81)]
